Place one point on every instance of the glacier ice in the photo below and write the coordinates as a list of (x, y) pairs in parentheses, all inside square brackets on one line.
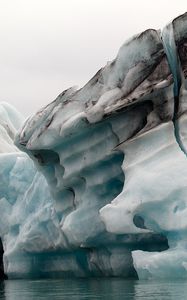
[(99, 186)]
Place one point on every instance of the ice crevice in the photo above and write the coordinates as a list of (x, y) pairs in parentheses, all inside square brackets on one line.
[(169, 43)]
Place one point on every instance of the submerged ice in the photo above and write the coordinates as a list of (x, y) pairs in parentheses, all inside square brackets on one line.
[(99, 187)]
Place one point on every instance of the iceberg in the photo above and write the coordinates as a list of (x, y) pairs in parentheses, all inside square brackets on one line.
[(98, 186), (25, 200)]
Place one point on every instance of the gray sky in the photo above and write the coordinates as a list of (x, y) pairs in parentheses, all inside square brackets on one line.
[(50, 45)]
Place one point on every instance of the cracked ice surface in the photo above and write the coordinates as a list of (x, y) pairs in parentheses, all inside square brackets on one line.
[(113, 154)]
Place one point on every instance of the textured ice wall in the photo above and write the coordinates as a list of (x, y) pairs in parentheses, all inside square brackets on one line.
[(170, 216), (114, 157), (25, 201)]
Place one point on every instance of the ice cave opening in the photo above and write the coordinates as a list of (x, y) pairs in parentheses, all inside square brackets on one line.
[(2, 274)]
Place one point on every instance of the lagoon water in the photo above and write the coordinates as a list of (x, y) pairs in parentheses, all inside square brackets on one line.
[(86, 289)]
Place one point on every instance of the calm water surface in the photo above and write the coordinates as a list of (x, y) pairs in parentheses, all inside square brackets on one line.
[(105, 289)]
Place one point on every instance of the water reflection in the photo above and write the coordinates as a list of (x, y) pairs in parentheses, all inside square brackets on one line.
[(2, 290), (79, 289)]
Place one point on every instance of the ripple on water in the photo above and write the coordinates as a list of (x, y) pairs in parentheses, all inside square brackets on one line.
[(85, 289)]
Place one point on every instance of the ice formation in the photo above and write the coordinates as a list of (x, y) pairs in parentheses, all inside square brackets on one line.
[(25, 200), (107, 192)]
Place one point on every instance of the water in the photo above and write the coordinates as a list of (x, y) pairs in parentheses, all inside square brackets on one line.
[(86, 289)]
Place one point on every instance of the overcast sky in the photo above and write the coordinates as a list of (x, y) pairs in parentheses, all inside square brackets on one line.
[(47, 46)]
